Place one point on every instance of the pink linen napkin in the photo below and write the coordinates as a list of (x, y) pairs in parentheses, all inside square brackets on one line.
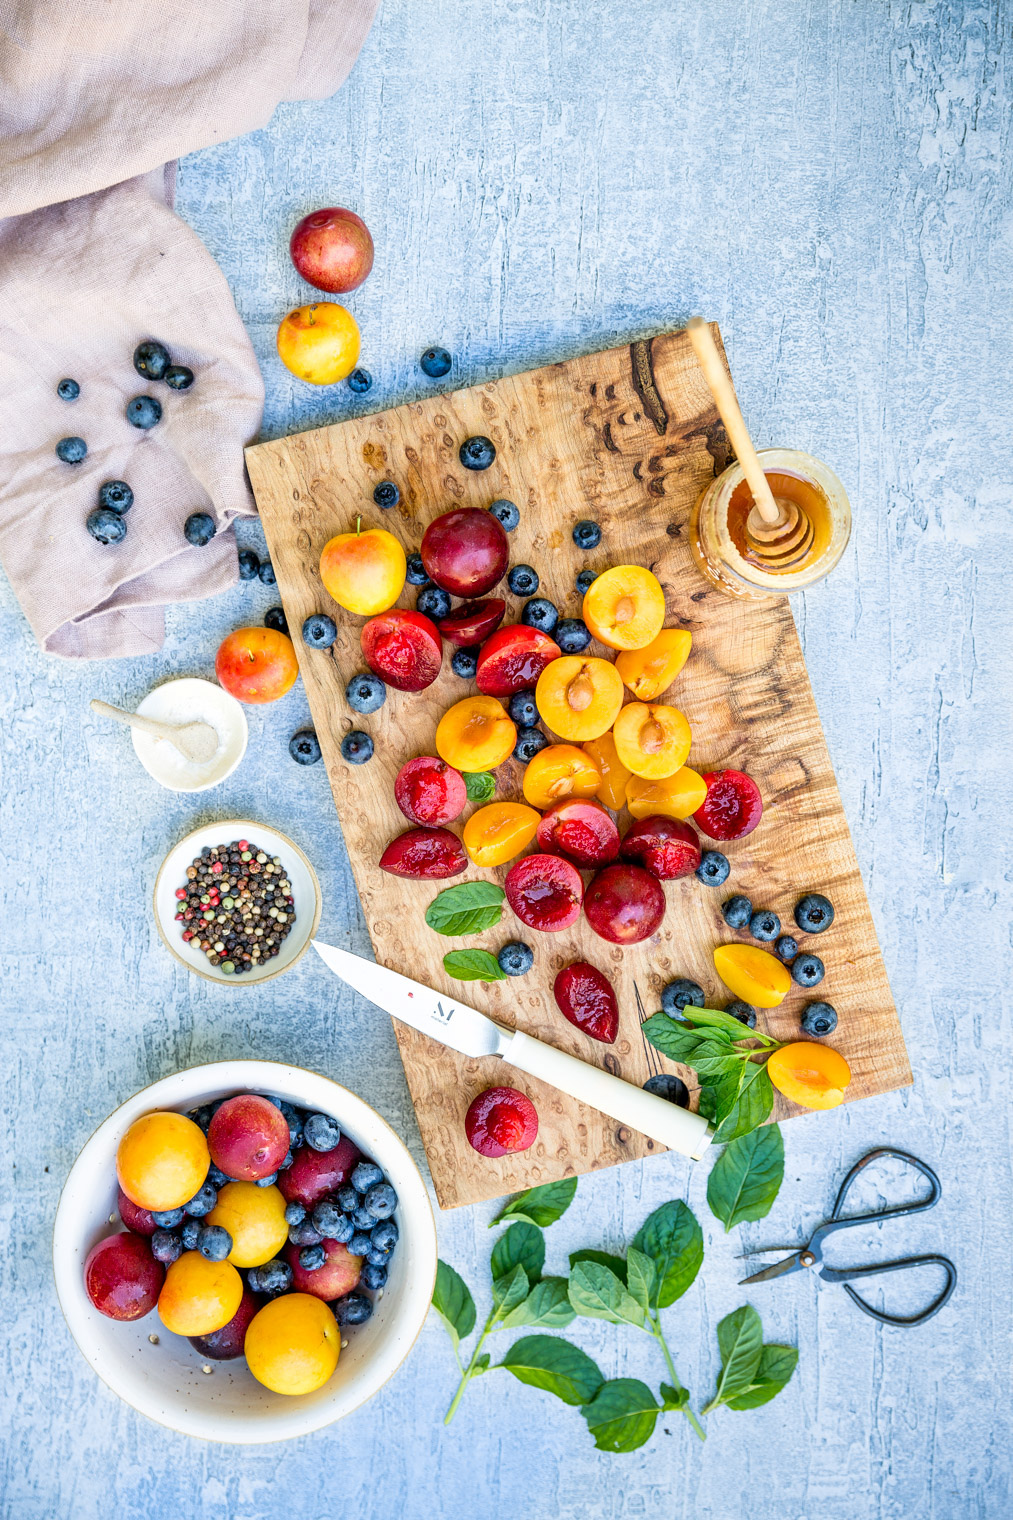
[(94, 99)]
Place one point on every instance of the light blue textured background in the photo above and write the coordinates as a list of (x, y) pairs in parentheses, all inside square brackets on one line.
[(543, 177)]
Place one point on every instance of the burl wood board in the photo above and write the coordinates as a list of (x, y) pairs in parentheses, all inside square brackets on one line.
[(629, 437)]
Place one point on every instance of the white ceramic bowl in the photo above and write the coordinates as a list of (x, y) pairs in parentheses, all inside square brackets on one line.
[(166, 1381), (305, 890), (183, 700)]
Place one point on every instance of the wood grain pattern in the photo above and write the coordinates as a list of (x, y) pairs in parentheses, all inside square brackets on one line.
[(630, 437)]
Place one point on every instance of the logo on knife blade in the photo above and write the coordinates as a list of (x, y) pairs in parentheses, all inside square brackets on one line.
[(442, 1015)]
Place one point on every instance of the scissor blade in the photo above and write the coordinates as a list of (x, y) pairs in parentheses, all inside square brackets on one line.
[(444, 1019), (779, 1269)]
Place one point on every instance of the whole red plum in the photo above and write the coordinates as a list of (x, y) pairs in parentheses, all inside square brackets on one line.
[(332, 249)]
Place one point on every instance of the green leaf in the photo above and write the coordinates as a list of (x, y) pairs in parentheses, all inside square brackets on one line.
[(468, 908), (597, 1293), (541, 1205), (615, 1264), (521, 1245), (453, 1302), (777, 1363), (678, 1041), (640, 1277), (622, 1415), (673, 1240), (746, 1176), (547, 1306), (510, 1290), (473, 966), (716, 1021), (479, 785), (549, 1362), (481, 1364), (752, 1105), (740, 1338), (674, 1398)]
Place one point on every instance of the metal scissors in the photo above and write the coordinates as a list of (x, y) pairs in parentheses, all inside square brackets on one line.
[(811, 1254)]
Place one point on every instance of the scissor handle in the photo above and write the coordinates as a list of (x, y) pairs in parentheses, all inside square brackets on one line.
[(844, 1276), (835, 1222)]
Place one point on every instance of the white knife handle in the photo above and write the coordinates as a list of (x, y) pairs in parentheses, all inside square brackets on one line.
[(666, 1122)]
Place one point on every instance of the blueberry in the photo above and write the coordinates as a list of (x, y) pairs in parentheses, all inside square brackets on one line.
[(540, 613), (327, 1217), (286, 1161), (167, 1219), (523, 580), (764, 924), (295, 1122), (216, 1176), (348, 1198), (189, 1234), (274, 1277), (814, 913), (360, 381), (529, 742), (311, 1258), (506, 514), (587, 534), (516, 958), (384, 1236), (381, 1200), (378, 1258), (166, 1247), (713, 868), (68, 390), (321, 1132), (199, 529), (743, 1012), (319, 631), (415, 574), (266, 572), (275, 618), (435, 363), (202, 1117), (737, 912), (572, 635), (818, 1018), (178, 377), (304, 747), (786, 949), (464, 662), (305, 1234), (144, 412), (116, 495), (151, 360), (295, 1213), (202, 1202), (362, 1219), (364, 1175), (585, 580), (373, 1276), (477, 453), (359, 1243), (356, 747), (214, 1243), (386, 495), (807, 970), (353, 1309), (664, 1085), (249, 564), (71, 450), (680, 993), (522, 709), (432, 602), (365, 693), (105, 525), (268, 1181)]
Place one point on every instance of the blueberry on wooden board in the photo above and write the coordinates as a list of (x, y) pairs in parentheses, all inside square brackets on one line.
[(386, 495), (365, 693), (540, 613), (319, 631), (516, 958), (737, 912), (818, 1019), (713, 868), (681, 993), (523, 580), (807, 970), (572, 635), (357, 747), (464, 662), (764, 925), (506, 514), (477, 453), (529, 742), (814, 913), (670, 1087), (587, 534), (415, 573)]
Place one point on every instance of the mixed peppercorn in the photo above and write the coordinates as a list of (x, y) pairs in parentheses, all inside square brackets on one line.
[(237, 905)]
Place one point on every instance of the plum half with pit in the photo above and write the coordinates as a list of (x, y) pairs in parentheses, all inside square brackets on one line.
[(586, 997), (624, 904), (316, 1174), (403, 648), (248, 1137), (545, 892), (667, 847), (122, 1277), (429, 792), (424, 854), (582, 830), (338, 1275)]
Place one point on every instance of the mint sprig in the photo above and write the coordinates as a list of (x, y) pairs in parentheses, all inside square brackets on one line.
[(730, 1061)]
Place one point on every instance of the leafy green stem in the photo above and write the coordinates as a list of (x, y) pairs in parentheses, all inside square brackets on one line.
[(654, 1328), (467, 1373)]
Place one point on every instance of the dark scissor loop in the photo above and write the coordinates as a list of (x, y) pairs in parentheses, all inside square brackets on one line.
[(844, 1275)]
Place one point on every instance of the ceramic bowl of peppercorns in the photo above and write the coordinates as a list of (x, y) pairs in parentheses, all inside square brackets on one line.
[(237, 902), (198, 1285)]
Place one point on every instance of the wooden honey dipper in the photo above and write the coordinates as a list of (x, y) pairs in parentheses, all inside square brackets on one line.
[(777, 530)]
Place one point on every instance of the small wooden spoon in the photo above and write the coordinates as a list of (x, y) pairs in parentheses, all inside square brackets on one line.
[(195, 741)]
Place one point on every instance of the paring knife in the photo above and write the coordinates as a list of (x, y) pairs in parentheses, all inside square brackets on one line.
[(474, 1034)]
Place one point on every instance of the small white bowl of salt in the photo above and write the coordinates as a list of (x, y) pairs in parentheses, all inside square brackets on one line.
[(190, 700)]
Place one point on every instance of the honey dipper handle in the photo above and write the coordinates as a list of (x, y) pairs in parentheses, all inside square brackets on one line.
[(726, 401)]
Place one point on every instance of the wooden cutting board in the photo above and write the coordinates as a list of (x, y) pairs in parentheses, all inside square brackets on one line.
[(629, 437)]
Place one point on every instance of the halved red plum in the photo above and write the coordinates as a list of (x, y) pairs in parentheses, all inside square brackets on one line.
[(581, 829), (430, 792), (424, 853), (501, 1120), (465, 551), (472, 622), (624, 904), (667, 847), (404, 648), (513, 659), (732, 807), (586, 997), (545, 892)]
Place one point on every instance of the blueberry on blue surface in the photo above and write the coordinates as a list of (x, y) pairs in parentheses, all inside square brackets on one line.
[(737, 912), (295, 1213), (464, 662), (807, 970), (415, 574), (529, 742), (116, 495), (786, 949), (540, 613), (214, 1243), (572, 635), (373, 1275), (304, 1234), (516, 958), (362, 1219), (202, 1202), (356, 747), (364, 1175), (477, 453), (743, 1012), (666, 1085), (68, 390), (304, 747), (814, 913), (819, 1019), (178, 377), (167, 1219), (523, 580), (680, 993), (151, 359), (435, 362), (348, 1198), (587, 534), (522, 709), (311, 1258), (144, 412), (321, 1132), (764, 925), (586, 579), (353, 1309), (189, 1232), (273, 1277), (365, 693), (71, 450), (359, 1243), (166, 1246), (433, 602), (266, 572), (319, 631), (506, 514), (106, 526), (381, 1200), (386, 495), (360, 381), (275, 618), (249, 565), (384, 1235), (713, 868)]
